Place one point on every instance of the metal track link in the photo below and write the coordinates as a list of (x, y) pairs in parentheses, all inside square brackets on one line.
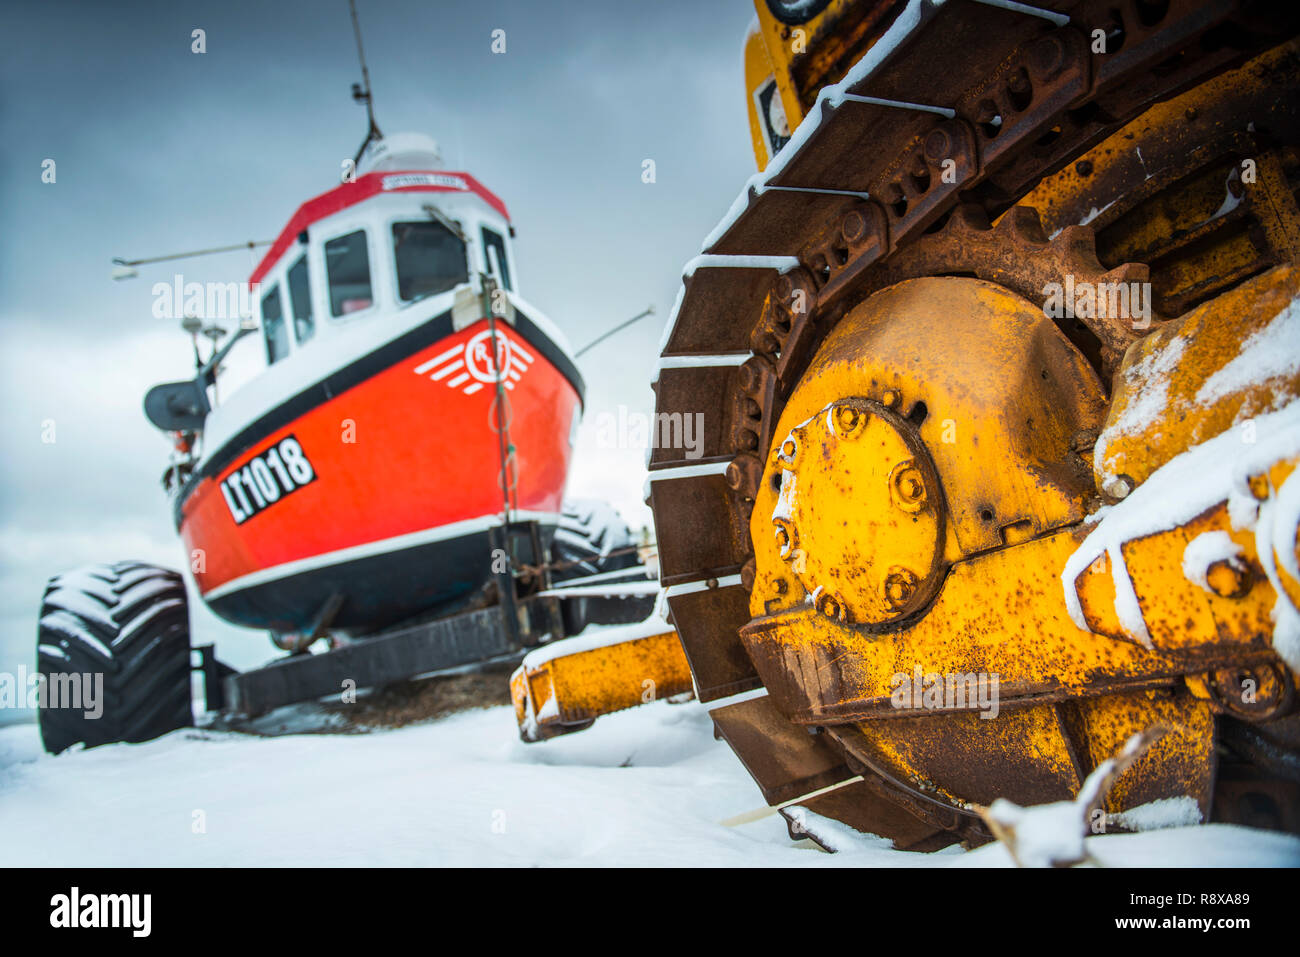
[(954, 114)]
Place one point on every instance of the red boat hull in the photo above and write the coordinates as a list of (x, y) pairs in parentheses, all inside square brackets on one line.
[(379, 483)]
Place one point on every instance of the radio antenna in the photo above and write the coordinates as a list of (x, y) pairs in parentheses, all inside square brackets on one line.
[(361, 91)]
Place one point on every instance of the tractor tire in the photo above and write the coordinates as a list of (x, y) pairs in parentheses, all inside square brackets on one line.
[(127, 622), (593, 538)]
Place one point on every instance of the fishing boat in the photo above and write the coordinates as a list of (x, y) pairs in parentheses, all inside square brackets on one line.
[(412, 400)]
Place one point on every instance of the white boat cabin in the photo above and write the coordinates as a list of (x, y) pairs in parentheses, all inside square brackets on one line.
[(399, 232)]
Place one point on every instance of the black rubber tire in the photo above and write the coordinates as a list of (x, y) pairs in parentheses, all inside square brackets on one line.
[(588, 533), (593, 538), (128, 621)]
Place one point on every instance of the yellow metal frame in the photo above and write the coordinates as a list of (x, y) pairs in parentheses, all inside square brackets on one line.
[(563, 687), (803, 58)]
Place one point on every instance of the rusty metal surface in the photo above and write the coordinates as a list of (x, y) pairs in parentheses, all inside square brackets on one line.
[(1176, 361), (1048, 110), (1167, 190), (1184, 620), (906, 349), (787, 761), (854, 457), (960, 759), (569, 686), (1000, 613), (721, 667), (1015, 253), (872, 810)]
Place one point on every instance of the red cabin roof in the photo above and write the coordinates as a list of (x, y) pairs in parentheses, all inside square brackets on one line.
[(364, 187)]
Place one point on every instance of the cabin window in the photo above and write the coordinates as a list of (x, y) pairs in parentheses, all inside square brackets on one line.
[(347, 264), (277, 336), (494, 248), (430, 259), (300, 301)]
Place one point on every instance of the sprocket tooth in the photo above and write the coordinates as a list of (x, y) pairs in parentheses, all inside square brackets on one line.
[(1077, 249), (969, 218), (1128, 273), (1022, 225)]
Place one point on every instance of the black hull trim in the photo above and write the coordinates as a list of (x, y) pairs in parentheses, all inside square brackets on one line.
[(377, 591)]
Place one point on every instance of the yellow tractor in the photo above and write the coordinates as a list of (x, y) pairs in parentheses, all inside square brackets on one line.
[(999, 356)]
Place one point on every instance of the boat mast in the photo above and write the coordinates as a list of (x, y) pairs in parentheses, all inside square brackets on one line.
[(361, 91)]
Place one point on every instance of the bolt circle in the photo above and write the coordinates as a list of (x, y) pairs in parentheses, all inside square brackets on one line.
[(786, 537), (831, 606), (898, 588), (747, 376), (938, 145), (1047, 56), (853, 227), (907, 486), (1228, 578), (848, 421), (910, 485)]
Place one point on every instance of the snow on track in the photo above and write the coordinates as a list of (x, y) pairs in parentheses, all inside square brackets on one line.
[(647, 787)]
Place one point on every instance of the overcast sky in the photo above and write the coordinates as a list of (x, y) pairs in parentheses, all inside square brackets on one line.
[(158, 149)]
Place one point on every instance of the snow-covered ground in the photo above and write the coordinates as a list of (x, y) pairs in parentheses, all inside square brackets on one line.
[(647, 787)]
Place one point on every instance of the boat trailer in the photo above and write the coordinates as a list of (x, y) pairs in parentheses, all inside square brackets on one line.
[(526, 615)]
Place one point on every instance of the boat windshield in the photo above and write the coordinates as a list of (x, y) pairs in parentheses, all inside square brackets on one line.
[(277, 336), (430, 259), (347, 265), (300, 299)]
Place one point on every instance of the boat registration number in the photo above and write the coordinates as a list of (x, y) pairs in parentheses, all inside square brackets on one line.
[(266, 479)]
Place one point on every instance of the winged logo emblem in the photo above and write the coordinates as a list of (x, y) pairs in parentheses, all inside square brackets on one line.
[(471, 365)]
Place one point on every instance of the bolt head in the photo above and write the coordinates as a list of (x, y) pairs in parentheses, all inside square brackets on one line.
[(848, 420), (786, 539), (898, 588), (1228, 578), (1047, 56), (853, 227), (832, 607), (907, 486), (1118, 486), (938, 145), (911, 487)]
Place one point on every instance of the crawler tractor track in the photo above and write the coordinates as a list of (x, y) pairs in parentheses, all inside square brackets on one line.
[(991, 146)]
